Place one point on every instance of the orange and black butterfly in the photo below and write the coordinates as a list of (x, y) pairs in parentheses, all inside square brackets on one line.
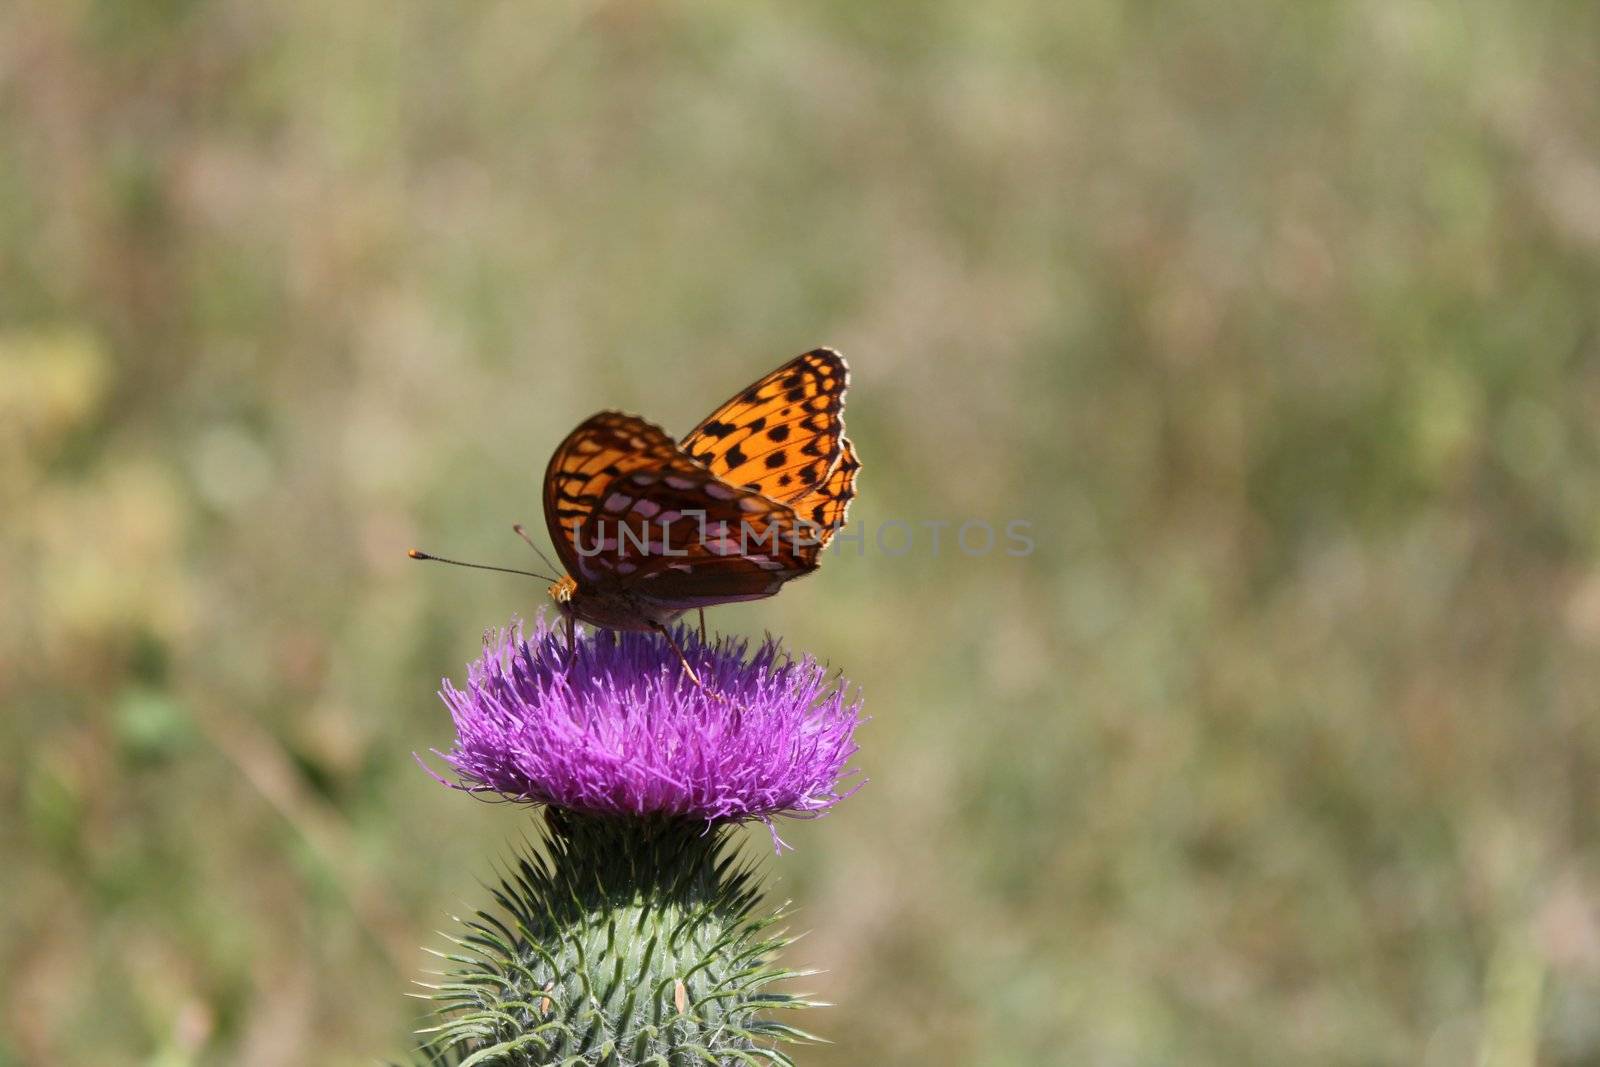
[(648, 528)]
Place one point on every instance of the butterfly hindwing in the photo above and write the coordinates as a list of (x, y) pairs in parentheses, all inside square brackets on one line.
[(782, 436), (627, 508), (678, 531)]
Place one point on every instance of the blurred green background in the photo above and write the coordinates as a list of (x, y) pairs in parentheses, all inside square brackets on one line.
[(1277, 321)]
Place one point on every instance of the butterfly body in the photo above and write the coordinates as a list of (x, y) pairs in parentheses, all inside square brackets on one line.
[(611, 609), (649, 528)]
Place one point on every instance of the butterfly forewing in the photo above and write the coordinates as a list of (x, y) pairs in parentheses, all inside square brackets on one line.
[(604, 448), (824, 509), (781, 436)]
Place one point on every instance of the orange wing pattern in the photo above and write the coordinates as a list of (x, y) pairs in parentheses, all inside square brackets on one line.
[(603, 448), (782, 436), (628, 509), (647, 528), (825, 508)]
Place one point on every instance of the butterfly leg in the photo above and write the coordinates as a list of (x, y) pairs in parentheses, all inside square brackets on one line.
[(572, 641), (702, 625), (687, 669)]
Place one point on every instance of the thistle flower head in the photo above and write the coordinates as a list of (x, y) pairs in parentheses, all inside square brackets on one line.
[(622, 730)]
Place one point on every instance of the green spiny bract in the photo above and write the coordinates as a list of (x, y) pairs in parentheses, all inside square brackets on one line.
[(628, 942)]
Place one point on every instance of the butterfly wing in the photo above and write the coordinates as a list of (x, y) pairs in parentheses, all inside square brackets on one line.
[(627, 508), (603, 448), (782, 436), (745, 548), (826, 507)]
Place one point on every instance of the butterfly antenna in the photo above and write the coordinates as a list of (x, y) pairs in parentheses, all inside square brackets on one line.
[(418, 554), (522, 533)]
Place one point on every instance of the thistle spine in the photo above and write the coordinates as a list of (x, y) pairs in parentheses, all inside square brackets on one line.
[(622, 941)]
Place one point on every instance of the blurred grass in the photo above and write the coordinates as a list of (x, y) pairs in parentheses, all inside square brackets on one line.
[(1278, 322)]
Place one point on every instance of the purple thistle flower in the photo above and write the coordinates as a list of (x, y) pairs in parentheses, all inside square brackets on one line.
[(623, 731)]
